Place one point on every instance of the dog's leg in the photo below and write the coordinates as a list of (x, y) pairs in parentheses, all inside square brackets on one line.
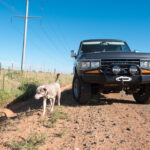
[(58, 97), (50, 109), (44, 106), (53, 103)]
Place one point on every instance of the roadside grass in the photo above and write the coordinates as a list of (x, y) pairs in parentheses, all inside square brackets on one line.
[(19, 86), (33, 142), (57, 115)]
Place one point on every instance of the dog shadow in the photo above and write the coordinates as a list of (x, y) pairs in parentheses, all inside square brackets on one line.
[(66, 100)]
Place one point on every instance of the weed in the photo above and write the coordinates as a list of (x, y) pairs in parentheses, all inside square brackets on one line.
[(28, 90), (0, 68), (33, 142), (3, 84), (55, 116), (42, 120), (4, 95), (0, 133), (7, 128), (63, 133)]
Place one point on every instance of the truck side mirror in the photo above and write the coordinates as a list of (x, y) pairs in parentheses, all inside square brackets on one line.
[(73, 53)]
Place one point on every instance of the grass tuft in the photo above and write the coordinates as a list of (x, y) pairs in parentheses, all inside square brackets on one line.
[(58, 114), (63, 133), (33, 142)]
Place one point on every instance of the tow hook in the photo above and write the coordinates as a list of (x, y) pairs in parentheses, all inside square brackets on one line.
[(124, 79)]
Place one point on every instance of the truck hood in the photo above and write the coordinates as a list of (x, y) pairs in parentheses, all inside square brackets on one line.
[(115, 55)]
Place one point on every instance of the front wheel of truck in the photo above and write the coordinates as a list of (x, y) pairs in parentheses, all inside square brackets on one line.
[(143, 96), (81, 91)]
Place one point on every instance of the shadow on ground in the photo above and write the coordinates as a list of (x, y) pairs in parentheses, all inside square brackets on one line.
[(66, 100)]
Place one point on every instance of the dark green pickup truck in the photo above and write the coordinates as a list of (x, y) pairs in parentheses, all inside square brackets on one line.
[(109, 66)]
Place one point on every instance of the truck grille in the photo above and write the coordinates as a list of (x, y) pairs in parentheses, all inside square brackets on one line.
[(124, 64), (119, 62)]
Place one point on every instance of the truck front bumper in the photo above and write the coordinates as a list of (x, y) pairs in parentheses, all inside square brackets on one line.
[(112, 79)]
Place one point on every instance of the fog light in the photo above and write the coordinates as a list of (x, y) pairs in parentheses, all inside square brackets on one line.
[(133, 70), (116, 70)]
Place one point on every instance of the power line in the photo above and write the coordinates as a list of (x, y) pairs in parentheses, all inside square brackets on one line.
[(43, 30), (59, 36)]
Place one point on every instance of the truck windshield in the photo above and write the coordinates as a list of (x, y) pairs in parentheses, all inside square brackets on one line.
[(101, 46)]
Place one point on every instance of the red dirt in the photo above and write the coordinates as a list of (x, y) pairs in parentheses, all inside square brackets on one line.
[(110, 122)]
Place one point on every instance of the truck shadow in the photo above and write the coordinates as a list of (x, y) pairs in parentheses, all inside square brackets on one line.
[(66, 100)]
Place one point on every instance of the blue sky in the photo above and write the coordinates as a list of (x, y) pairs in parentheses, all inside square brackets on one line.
[(64, 23)]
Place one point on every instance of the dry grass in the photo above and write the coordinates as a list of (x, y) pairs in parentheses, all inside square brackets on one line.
[(19, 86), (57, 115), (33, 142)]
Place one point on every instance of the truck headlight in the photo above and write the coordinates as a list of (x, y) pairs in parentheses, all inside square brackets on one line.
[(145, 64), (95, 64), (84, 65)]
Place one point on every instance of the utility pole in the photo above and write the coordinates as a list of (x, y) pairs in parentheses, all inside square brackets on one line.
[(25, 33)]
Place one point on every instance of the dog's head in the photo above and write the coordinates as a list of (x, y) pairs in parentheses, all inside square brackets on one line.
[(40, 92)]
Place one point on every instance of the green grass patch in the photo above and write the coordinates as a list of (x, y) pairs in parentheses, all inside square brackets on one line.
[(19, 86), (58, 114), (4, 95), (33, 142)]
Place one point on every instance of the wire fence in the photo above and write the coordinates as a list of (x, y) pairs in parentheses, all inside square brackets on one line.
[(31, 68)]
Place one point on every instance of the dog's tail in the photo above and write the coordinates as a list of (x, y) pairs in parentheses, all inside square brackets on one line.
[(57, 77)]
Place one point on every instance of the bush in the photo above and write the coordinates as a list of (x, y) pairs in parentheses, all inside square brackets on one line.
[(27, 91), (4, 95)]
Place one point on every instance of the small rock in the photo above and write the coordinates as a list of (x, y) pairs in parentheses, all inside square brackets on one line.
[(77, 128), (84, 144), (108, 136), (147, 141), (129, 129), (88, 131), (94, 142), (122, 141), (74, 136), (102, 140), (77, 121), (114, 124)]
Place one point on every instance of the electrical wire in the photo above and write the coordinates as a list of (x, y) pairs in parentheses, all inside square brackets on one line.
[(33, 42), (59, 36)]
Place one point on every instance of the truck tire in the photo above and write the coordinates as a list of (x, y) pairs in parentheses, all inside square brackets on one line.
[(143, 96), (81, 91)]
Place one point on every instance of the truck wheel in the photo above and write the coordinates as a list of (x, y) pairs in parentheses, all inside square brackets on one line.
[(81, 91), (143, 96)]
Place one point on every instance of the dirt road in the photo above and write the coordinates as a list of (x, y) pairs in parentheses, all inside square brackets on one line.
[(109, 122)]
